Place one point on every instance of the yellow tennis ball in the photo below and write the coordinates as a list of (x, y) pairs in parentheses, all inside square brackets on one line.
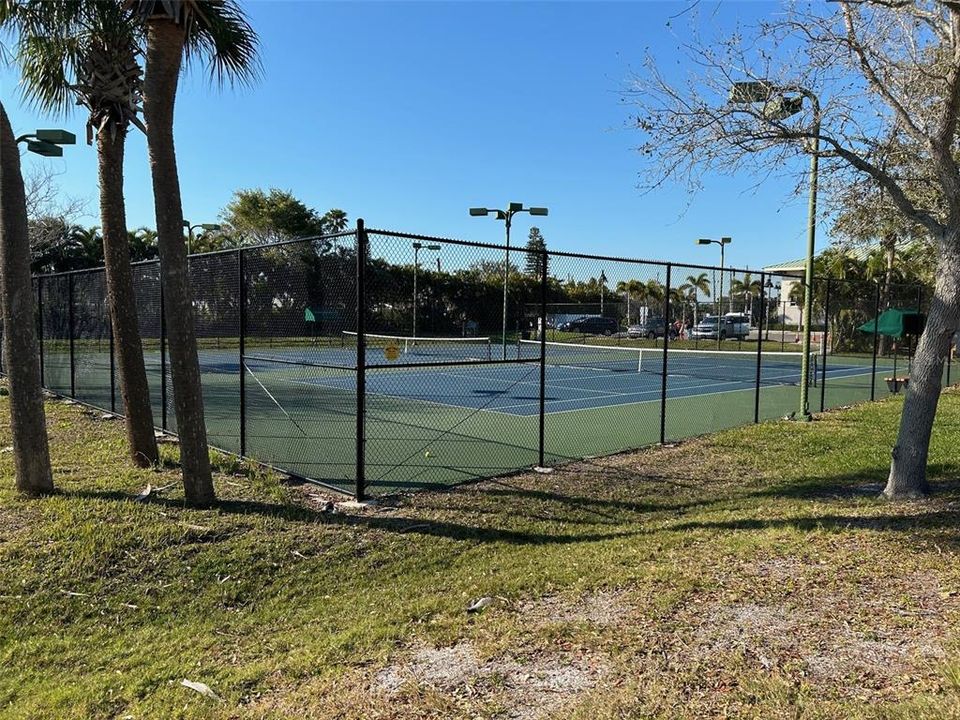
[(427, 453)]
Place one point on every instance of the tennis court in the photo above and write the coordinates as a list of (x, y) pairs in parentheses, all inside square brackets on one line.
[(443, 412), (284, 384)]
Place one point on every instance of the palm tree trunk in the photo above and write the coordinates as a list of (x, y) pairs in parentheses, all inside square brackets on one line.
[(164, 54), (28, 426), (908, 469), (123, 306)]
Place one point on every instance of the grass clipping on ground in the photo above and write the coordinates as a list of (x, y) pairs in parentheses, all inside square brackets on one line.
[(753, 573)]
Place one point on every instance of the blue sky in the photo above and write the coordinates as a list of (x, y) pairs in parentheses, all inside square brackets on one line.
[(406, 114)]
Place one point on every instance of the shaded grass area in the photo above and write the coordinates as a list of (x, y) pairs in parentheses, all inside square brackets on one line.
[(753, 573)]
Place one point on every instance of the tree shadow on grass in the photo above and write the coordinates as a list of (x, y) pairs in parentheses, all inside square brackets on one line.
[(399, 525), (867, 483)]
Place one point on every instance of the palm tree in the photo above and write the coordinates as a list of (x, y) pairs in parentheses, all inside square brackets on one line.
[(175, 28), (86, 53), (699, 284), (28, 427), (746, 288), (335, 220)]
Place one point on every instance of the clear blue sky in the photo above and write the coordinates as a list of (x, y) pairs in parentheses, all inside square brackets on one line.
[(406, 114)]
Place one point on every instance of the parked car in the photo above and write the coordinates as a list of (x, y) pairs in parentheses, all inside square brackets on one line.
[(731, 325), (592, 325), (651, 328)]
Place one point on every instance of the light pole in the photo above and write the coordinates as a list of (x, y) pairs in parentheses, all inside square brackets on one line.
[(48, 142), (779, 103), (203, 226), (722, 242), (507, 217), (417, 247)]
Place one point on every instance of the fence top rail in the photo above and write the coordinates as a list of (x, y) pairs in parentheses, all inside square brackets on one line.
[(227, 251), (471, 243)]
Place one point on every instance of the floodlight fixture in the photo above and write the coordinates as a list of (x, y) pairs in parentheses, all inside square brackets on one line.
[(56, 136), (42, 147), (507, 216)]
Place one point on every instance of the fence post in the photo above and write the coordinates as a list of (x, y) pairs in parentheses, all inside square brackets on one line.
[(40, 326), (113, 368), (163, 359), (241, 330), (73, 388), (876, 344), (543, 356), (666, 343), (823, 348), (361, 357), (763, 306)]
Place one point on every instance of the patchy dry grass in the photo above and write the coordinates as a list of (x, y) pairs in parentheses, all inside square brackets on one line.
[(750, 574)]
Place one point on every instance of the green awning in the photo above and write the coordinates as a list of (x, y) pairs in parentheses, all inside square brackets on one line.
[(892, 322)]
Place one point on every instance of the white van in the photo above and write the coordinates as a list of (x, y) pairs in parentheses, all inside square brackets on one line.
[(737, 325)]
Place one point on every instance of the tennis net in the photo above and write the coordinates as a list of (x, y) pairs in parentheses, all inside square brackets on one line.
[(738, 365), (424, 349)]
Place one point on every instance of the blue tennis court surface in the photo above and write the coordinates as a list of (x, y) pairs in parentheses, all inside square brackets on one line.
[(514, 388)]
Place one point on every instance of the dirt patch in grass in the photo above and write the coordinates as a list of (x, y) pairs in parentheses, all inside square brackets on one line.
[(871, 645), (601, 608), (519, 688)]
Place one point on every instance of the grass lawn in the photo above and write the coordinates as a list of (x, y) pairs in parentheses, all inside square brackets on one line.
[(750, 574)]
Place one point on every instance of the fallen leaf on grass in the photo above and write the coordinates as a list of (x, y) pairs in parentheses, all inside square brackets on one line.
[(201, 688), (478, 605)]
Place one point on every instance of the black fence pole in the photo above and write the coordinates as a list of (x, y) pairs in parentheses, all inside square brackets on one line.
[(823, 348), (241, 332), (763, 305), (113, 369), (543, 357), (361, 357), (163, 361), (73, 381), (40, 327), (876, 344), (666, 343)]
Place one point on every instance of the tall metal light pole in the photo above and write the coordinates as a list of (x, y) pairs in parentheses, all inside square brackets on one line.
[(722, 242), (417, 247), (779, 103), (203, 226), (507, 217)]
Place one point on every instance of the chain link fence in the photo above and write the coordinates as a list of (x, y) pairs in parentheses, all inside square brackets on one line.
[(375, 362)]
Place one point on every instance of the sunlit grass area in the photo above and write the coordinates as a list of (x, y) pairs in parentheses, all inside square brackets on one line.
[(752, 573)]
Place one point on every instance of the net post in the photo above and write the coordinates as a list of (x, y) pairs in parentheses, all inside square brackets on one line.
[(73, 380), (361, 357), (40, 326), (163, 359), (666, 343), (823, 348), (876, 343), (763, 305), (241, 349), (543, 357)]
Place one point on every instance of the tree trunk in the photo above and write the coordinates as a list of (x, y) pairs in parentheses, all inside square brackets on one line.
[(163, 58), (28, 426), (908, 470), (123, 303)]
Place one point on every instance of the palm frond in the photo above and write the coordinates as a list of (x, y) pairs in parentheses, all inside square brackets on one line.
[(221, 33)]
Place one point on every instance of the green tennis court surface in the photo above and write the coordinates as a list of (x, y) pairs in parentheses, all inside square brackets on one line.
[(458, 419)]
